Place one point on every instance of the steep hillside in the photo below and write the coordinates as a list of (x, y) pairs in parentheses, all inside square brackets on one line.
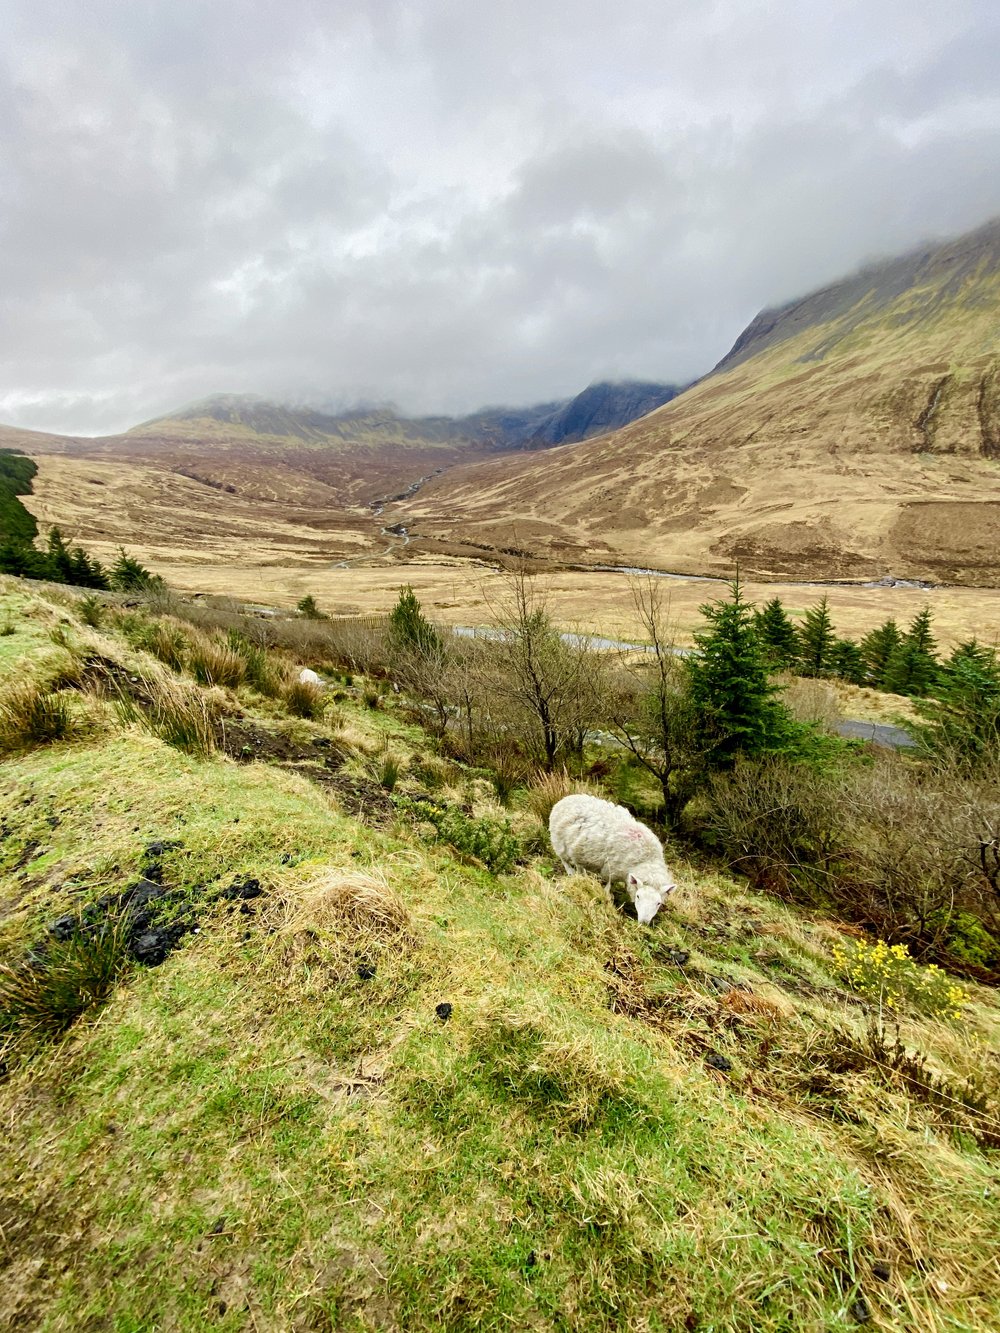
[(598, 409), (343, 1076), (850, 434)]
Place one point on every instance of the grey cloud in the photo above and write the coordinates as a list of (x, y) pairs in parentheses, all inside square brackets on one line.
[(442, 204)]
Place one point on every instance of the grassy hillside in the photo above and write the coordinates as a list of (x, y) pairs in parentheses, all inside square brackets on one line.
[(16, 473), (396, 1091)]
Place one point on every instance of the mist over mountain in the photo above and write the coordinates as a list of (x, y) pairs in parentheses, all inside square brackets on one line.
[(849, 433)]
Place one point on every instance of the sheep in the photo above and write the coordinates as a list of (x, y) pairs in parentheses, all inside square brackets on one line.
[(590, 834), (309, 677)]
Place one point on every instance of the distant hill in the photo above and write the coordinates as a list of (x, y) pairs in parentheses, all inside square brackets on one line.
[(258, 448), (851, 433), (598, 409)]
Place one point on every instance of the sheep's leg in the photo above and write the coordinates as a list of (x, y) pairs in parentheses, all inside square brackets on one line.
[(607, 890), (566, 866)]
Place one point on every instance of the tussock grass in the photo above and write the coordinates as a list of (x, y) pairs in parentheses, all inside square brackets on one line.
[(548, 788), (46, 994), (184, 718), (32, 713), (344, 919), (303, 699), (213, 663)]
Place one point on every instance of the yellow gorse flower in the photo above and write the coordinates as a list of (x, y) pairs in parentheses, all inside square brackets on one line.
[(889, 974)]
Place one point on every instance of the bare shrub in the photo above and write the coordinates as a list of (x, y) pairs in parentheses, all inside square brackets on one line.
[(920, 851), (548, 689), (778, 822)]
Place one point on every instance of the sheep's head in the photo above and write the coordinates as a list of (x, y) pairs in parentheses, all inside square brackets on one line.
[(648, 895)]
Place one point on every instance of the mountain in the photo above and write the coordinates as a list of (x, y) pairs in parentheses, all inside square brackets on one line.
[(598, 409), (848, 434), (264, 450)]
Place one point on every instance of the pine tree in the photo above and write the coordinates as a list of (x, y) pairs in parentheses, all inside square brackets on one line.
[(877, 649), (130, 575), (912, 667), (847, 662), (964, 718), (907, 671), (777, 634), (60, 560), (920, 635), (736, 705), (408, 625), (817, 640), (306, 606)]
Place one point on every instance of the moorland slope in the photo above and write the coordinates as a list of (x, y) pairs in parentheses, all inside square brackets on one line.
[(849, 434)]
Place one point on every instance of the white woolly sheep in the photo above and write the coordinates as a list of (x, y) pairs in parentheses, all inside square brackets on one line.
[(590, 834), (308, 677)]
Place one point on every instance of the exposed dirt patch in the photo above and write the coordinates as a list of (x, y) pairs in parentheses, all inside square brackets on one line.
[(245, 741), (355, 796)]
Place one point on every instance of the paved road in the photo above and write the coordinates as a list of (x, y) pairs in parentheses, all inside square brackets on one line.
[(879, 732)]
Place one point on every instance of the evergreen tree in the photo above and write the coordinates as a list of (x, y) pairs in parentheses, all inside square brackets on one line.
[(847, 662), (130, 575), (307, 607), (817, 640), (964, 718), (877, 648), (908, 671), (912, 667), (777, 634), (920, 635), (409, 627), (735, 703), (60, 560)]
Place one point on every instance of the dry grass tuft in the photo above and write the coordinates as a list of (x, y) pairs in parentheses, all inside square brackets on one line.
[(304, 699), (213, 663), (812, 701), (33, 714), (548, 788), (344, 918), (183, 717)]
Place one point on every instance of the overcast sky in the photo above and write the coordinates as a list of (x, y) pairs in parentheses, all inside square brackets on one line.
[(445, 204)]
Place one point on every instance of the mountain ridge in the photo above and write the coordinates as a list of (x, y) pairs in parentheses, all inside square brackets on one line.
[(851, 433)]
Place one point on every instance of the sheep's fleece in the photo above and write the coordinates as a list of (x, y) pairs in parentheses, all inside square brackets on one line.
[(308, 677), (590, 834)]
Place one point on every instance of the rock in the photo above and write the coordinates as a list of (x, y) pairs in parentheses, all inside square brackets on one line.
[(881, 1270), (720, 985), (860, 1311), (242, 890), (153, 947), (157, 849), (678, 956), (716, 1061), (443, 1011)]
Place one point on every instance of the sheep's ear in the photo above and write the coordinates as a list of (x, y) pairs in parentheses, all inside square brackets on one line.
[(632, 881)]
